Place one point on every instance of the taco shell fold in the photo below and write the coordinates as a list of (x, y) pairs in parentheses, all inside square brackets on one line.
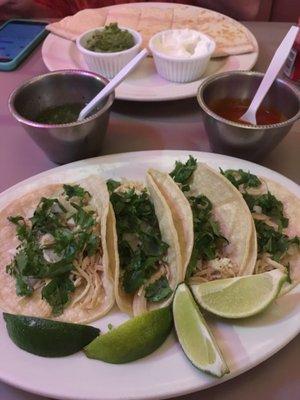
[(229, 209), (136, 303)]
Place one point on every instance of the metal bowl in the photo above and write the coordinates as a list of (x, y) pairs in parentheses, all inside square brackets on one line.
[(65, 142), (246, 141)]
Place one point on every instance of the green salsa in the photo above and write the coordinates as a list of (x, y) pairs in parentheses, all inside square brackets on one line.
[(110, 40), (63, 114)]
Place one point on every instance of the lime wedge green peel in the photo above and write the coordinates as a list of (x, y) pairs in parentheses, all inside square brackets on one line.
[(48, 338), (134, 339), (239, 297), (194, 335)]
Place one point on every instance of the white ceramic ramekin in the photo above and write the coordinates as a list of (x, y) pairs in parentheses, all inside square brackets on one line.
[(180, 69), (107, 64)]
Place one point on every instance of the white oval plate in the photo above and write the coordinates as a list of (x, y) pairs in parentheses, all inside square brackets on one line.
[(143, 84), (166, 372)]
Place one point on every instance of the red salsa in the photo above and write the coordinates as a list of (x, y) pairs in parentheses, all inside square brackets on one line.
[(233, 109)]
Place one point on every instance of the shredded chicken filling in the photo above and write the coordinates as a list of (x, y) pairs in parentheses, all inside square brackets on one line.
[(219, 268)]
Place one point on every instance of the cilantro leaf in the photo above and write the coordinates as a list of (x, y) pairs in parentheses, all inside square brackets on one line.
[(22, 286), (52, 270), (273, 241), (152, 245), (208, 240), (271, 207), (183, 171), (22, 228), (158, 290), (112, 185), (288, 272), (140, 268), (66, 240), (84, 219), (75, 191), (46, 216), (136, 219), (56, 293), (240, 177)]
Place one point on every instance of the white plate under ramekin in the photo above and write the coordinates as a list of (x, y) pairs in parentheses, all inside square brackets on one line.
[(107, 64), (180, 69)]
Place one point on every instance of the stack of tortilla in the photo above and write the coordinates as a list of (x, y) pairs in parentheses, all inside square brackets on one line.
[(230, 36)]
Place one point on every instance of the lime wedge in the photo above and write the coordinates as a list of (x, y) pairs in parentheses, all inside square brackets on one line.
[(48, 338), (134, 339), (194, 335), (239, 297)]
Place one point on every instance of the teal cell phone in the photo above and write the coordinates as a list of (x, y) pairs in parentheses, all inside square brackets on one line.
[(18, 37)]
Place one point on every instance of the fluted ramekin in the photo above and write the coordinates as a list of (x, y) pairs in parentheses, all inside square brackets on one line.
[(180, 69), (107, 64)]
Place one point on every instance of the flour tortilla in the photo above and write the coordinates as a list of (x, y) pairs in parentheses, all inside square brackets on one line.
[(154, 20), (34, 305), (73, 26), (124, 16), (185, 17), (231, 37), (229, 209), (173, 258)]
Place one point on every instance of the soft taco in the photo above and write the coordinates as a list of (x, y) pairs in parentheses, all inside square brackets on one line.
[(53, 253), (143, 239), (276, 214), (214, 225)]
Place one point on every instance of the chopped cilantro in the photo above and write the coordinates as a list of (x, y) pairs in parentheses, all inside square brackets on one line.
[(51, 218), (22, 286), (269, 205), (208, 240), (240, 177), (47, 215), (22, 228), (273, 241), (183, 172), (56, 293), (158, 290), (288, 273), (112, 185), (85, 219), (75, 191), (140, 256), (110, 326)]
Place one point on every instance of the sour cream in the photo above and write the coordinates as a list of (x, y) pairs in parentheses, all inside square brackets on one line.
[(183, 43)]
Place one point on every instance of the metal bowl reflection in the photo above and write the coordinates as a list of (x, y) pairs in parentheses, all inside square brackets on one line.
[(246, 141), (63, 143)]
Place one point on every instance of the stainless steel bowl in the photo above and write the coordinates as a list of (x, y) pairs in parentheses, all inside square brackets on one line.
[(65, 142), (246, 141)]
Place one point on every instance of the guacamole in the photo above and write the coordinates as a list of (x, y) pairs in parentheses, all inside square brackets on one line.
[(110, 40)]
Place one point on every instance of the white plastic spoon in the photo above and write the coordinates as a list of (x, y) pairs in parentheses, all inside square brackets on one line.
[(275, 66), (112, 84)]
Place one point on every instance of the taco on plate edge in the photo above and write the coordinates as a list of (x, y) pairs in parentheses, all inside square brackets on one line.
[(53, 252)]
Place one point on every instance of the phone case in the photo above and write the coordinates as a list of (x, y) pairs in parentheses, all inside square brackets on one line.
[(11, 65)]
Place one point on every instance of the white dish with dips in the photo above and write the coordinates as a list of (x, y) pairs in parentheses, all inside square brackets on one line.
[(181, 55)]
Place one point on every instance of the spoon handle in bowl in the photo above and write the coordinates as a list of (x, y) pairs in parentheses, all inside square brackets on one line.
[(112, 84), (276, 64)]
